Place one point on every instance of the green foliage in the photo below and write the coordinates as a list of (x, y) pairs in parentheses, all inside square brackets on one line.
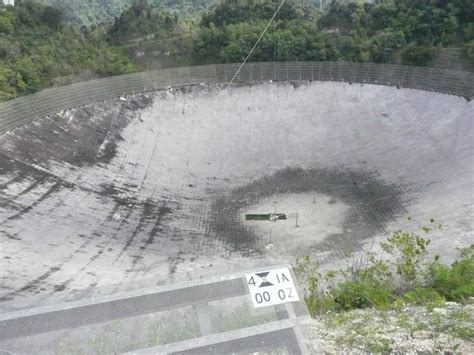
[(229, 32), (463, 332), (37, 46), (141, 20), (454, 282), (368, 284), (381, 32), (422, 296), (406, 278), (9, 80), (6, 22), (380, 346), (316, 298), (426, 22), (308, 272), (418, 54), (409, 250), (345, 18), (94, 12), (370, 270), (361, 287), (350, 295), (229, 12), (384, 45)]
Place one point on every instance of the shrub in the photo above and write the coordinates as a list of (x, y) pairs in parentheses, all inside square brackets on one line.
[(384, 45), (423, 295), (320, 303), (421, 55), (308, 272), (409, 250), (371, 283), (350, 295), (455, 282), (371, 270), (316, 298)]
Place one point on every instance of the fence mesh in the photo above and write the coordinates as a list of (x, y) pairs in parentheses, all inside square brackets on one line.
[(25, 109)]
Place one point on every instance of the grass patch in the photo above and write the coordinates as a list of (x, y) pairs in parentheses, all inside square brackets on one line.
[(423, 296), (355, 294), (454, 282)]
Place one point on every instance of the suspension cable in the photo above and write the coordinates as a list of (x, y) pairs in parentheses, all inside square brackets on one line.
[(255, 45)]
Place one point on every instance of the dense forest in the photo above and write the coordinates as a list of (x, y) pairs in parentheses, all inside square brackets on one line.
[(41, 45), (90, 12), (37, 47), (403, 31)]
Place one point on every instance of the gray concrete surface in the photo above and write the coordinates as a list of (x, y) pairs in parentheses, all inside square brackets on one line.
[(155, 187)]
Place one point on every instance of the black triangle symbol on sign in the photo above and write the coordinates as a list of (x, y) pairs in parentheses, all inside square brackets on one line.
[(263, 276)]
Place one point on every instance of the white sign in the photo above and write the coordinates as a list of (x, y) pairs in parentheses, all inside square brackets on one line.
[(272, 287)]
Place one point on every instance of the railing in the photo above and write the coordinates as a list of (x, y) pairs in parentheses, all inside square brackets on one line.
[(25, 109), (128, 321)]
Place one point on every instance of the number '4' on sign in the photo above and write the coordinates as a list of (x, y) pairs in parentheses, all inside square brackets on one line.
[(271, 287)]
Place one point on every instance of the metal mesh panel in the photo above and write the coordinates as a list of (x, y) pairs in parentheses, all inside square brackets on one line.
[(17, 112), (205, 316), (283, 339), (104, 311)]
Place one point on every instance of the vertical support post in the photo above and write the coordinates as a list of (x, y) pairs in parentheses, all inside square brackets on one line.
[(204, 320)]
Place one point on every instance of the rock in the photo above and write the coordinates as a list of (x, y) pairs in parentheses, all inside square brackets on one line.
[(421, 334), (452, 304), (441, 311)]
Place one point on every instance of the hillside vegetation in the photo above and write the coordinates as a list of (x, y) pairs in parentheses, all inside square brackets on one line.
[(392, 31), (39, 45), (141, 20), (394, 299), (91, 12)]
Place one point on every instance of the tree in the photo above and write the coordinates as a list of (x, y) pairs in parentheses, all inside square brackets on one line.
[(418, 54), (37, 47), (384, 45), (6, 21)]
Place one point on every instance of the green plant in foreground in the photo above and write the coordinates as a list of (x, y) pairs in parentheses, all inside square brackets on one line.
[(379, 346), (374, 282), (423, 296), (454, 282), (350, 295), (308, 271), (316, 298), (409, 251)]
